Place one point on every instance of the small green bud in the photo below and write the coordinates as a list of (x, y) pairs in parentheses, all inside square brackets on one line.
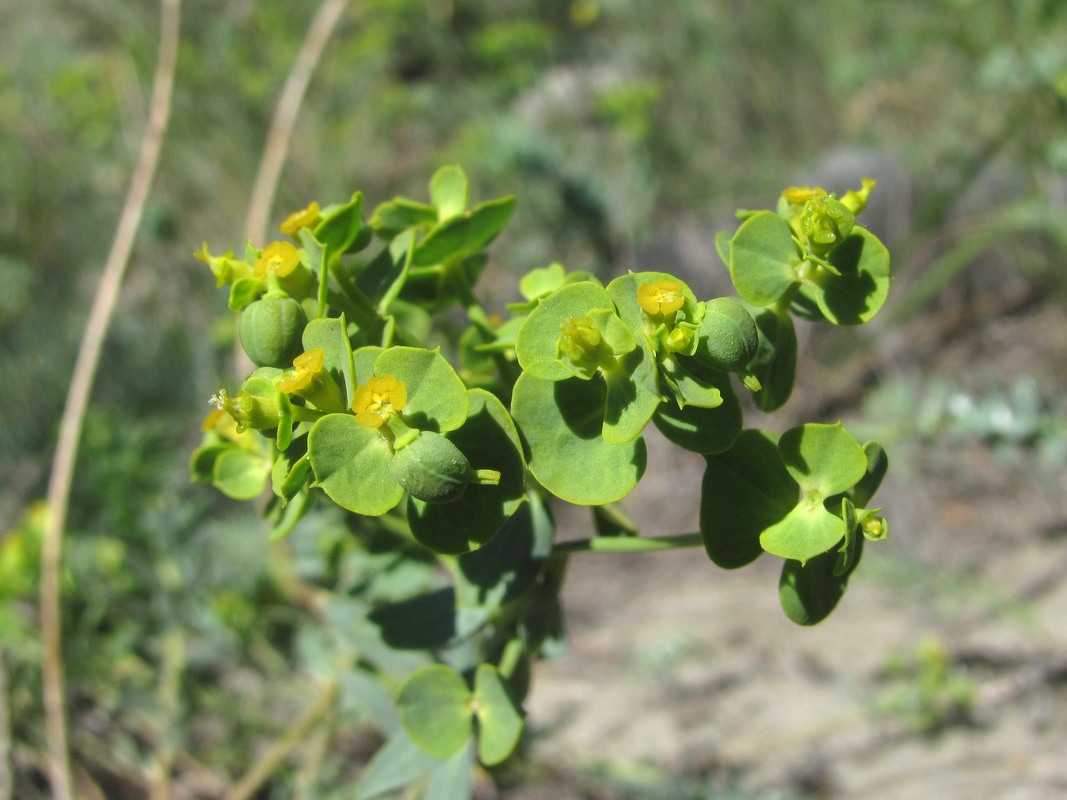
[(728, 337), (434, 470), (270, 331), (826, 221)]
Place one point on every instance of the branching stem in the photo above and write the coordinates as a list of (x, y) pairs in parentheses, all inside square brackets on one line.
[(629, 544)]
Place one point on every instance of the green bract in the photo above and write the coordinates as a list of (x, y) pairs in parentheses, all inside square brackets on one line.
[(438, 451), (811, 248)]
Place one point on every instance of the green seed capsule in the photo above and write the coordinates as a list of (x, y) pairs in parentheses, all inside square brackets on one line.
[(728, 338), (432, 469), (270, 331)]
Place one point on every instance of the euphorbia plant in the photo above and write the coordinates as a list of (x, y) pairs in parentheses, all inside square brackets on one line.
[(457, 447)]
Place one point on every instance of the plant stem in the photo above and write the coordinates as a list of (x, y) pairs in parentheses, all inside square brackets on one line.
[(6, 779), (265, 766), (281, 130), (629, 544), (276, 148), (85, 367)]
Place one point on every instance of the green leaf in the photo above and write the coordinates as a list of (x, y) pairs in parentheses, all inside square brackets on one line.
[(289, 477), (632, 396), (700, 429), (399, 214), (722, 247), (500, 720), (437, 396), (363, 359), (809, 592), (490, 441), (351, 464), (859, 292), (541, 282), (449, 192), (240, 474), (562, 424), (382, 278), (763, 258), (537, 339), (245, 291), (454, 778), (694, 384), (745, 490), (877, 467), (435, 709), (428, 621), (775, 364), (464, 235), (507, 567), (329, 334), (340, 226), (807, 531), (396, 764), (823, 459)]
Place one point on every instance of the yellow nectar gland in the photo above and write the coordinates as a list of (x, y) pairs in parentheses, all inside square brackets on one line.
[(660, 298), (799, 195), (280, 258), (379, 399), (308, 366), (304, 218)]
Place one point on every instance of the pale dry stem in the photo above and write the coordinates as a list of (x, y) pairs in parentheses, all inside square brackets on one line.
[(59, 484)]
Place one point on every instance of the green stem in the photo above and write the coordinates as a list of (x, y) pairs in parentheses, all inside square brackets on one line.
[(509, 659), (629, 544), (480, 319)]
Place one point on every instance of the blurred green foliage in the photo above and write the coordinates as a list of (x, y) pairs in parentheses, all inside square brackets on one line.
[(622, 115)]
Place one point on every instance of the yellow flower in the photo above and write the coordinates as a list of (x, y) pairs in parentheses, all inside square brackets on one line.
[(280, 258), (799, 195), (660, 297), (378, 399), (304, 218), (308, 367)]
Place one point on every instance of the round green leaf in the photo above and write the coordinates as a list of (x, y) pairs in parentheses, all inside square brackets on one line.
[(489, 440), (809, 592), (437, 397), (703, 430), (240, 474), (562, 424), (763, 258), (449, 191), (351, 464), (536, 341), (435, 709), (823, 459), (499, 718), (632, 397), (856, 295), (745, 490), (807, 531)]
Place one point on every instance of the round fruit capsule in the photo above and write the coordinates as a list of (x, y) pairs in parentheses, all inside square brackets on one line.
[(728, 340), (432, 469), (270, 331)]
